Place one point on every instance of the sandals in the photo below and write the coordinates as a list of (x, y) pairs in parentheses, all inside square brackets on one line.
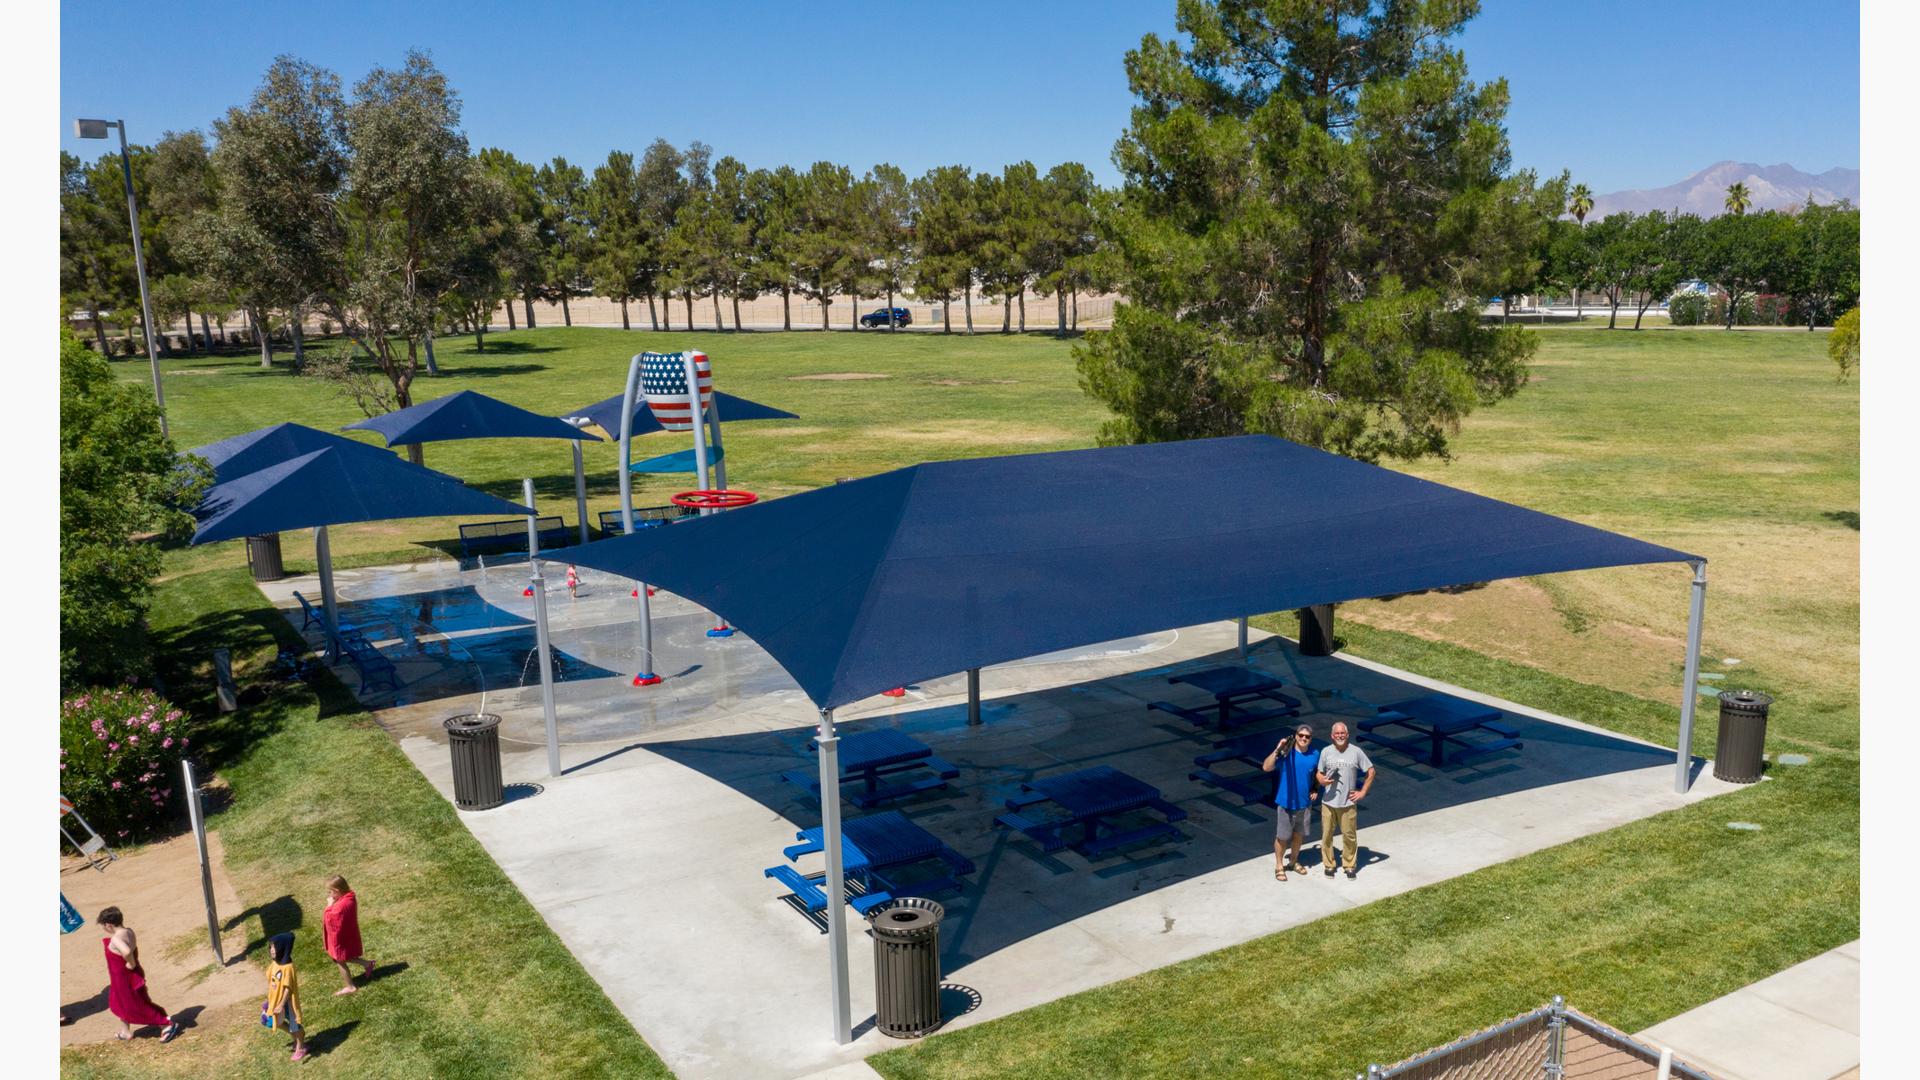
[(1279, 873), (172, 1030)]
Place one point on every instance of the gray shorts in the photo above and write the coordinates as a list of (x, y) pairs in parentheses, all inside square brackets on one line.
[(1287, 822)]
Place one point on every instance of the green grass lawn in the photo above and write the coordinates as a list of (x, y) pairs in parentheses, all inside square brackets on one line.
[(1739, 447)]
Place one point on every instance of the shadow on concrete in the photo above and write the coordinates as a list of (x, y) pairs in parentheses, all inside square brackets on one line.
[(1018, 891)]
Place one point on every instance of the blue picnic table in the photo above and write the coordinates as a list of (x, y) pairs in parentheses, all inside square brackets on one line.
[(1251, 748), (867, 756), (1232, 688), (874, 851), (1088, 798), (1442, 718)]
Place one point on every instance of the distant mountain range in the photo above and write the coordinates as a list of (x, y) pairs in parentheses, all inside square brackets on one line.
[(1771, 187)]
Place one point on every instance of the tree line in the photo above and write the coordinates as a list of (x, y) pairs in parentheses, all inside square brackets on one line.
[(367, 210), (1808, 258)]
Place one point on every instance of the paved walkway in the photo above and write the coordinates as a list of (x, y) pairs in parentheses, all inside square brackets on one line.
[(1801, 1024)]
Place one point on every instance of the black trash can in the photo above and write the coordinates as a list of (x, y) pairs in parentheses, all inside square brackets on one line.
[(1743, 736), (906, 967), (263, 557), (474, 739), (1316, 630)]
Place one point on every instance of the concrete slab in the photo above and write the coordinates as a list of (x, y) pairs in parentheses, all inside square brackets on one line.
[(647, 854), (1800, 1024)]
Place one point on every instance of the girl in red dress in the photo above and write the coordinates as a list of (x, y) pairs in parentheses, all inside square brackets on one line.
[(341, 924), (126, 984)]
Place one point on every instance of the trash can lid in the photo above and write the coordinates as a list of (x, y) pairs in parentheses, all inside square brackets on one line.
[(1745, 697), (471, 722), (907, 918)]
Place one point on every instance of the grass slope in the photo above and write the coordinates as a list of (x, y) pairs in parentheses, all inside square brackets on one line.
[(475, 983)]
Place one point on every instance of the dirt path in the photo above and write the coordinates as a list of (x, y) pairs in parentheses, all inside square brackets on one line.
[(158, 891)]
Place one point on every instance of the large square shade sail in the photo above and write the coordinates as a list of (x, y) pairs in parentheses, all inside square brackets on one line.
[(242, 454), (938, 568)]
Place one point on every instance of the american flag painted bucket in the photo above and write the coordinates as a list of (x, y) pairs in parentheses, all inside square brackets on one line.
[(663, 381)]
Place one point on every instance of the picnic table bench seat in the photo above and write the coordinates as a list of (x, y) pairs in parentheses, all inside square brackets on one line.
[(372, 666), (1440, 719), (1087, 797), (811, 891), (487, 537), (867, 757)]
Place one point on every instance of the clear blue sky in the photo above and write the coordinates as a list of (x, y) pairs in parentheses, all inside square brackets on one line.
[(1625, 95)]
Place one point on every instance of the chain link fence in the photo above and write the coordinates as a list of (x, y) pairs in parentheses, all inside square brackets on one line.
[(1552, 1042)]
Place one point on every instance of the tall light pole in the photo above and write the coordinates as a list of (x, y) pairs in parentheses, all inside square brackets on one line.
[(97, 129)]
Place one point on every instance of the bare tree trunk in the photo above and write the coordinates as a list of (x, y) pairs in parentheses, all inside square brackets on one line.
[(100, 333), (566, 312), (666, 313), (653, 317), (946, 315), (892, 324), (1076, 309), (719, 322), (969, 304), (1577, 313), (1506, 309), (221, 322), (1006, 314), (511, 325), (624, 323), (1023, 308), (206, 332), (824, 325), (1060, 297), (260, 333), (433, 366), (853, 310), (688, 297), (736, 313), (528, 301), (479, 336), (1613, 315), (786, 307), (299, 332)]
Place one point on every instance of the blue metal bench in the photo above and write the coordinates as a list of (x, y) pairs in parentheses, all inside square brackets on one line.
[(811, 893), (373, 667), (644, 517), (488, 537)]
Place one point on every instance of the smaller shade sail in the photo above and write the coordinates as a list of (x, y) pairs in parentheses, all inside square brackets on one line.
[(466, 415), (243, 454), (606, 414), (333, 486), (678, 462)]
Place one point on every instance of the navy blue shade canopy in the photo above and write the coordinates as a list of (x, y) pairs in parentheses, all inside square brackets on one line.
[(466, 415), (936, 568), (255, 450), (335, 485), (606, 414)]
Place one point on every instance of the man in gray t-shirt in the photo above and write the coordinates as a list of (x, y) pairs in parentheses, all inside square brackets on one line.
[(1342, 765)]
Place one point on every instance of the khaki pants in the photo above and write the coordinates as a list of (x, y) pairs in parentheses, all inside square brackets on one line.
[(1346, 821)]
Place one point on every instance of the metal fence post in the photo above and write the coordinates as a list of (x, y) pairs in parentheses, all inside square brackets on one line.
[(199, 822), (1555, 1066)]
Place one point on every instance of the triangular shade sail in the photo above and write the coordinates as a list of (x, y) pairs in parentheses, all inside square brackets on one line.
[(333, 486), (606, 414), (938, 568), (466, 415), (255, 450), (677, 462)]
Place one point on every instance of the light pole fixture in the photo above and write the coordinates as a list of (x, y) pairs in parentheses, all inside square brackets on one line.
[(97, 129)]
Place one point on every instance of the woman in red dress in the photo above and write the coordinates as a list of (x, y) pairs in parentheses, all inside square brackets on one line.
[(341, 924), (126, 984)]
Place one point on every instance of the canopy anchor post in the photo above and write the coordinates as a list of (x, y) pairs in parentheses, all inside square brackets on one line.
[(329, 601), (538, 586), (646, 675), (1690, 687), (829, 744), (1243, 639), (973, 697)]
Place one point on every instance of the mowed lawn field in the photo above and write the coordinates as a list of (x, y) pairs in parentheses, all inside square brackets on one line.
[(1740, 447)]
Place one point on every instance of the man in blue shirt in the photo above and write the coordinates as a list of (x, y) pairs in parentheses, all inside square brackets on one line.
[(1293, 796)]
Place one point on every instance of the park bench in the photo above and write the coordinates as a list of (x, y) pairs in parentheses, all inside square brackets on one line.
[(372, 666), (644, 517), (488, 537)]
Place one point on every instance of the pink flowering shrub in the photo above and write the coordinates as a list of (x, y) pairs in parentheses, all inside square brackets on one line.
[(120, 753)]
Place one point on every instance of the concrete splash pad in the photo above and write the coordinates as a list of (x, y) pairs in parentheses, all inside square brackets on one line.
[(671, 805)]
